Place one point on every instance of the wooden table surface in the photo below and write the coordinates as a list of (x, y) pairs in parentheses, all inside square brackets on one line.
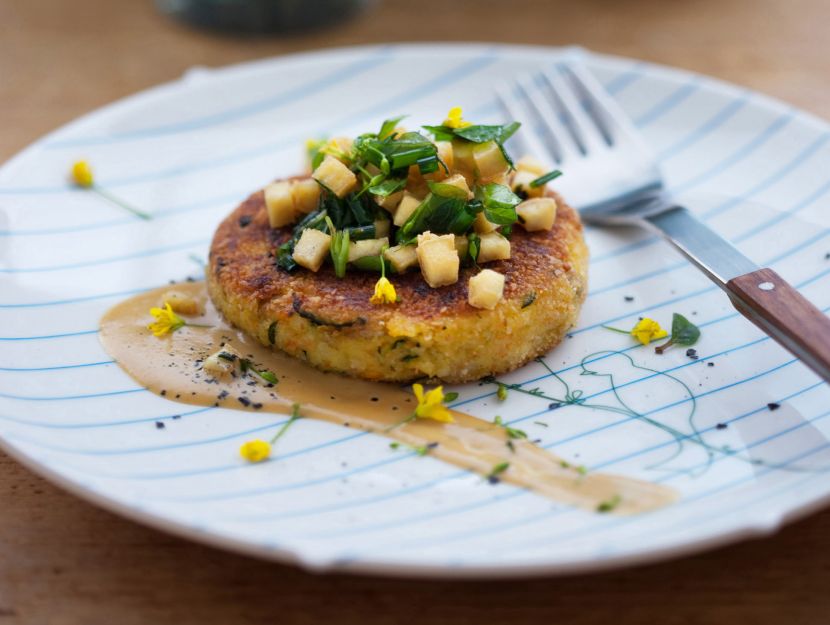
[(64, 561)]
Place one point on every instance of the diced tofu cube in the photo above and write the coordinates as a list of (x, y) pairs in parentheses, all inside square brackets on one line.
[(485, 289), (312, 248), (390, 202), (446, 156), (463, 161), (382, 227), (336, 176), (531, 165), (461, 245), (407, 206), (306, 195), (221, 365), (342, 144), (537, 213), (181, 303), (366, 247), (489, 161), (482, 226), (458, 181), (521, 185), (438, 259), (493, 246), (280, 204), (401, 257)]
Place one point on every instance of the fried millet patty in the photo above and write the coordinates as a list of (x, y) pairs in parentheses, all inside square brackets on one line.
[(431, 333)]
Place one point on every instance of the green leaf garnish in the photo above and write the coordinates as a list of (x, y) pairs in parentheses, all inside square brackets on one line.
[(388, 126), (499, 203), (683, 332)]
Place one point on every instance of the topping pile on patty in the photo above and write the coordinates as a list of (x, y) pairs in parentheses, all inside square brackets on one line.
[(405, 258)]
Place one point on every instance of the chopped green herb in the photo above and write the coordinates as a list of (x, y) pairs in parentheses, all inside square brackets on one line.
[(496, 471), (501, 393), (246, 365), (272, 333), (529, 299), (542, 423), (512, 433), (544, 179), (609, 505), (394, 445), (450, 397)]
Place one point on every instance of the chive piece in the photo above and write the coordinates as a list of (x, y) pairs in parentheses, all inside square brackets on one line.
[(450, 397), (529, 299), (501, 393), (545, 178), (496, 471), (609, 505), (272, 333), (268, 376)]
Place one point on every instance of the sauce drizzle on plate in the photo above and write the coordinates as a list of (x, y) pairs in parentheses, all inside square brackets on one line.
[(171, 366)]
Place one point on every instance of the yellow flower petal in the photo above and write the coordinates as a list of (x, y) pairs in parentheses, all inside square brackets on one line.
[(384, 292), (255, 450), (82, 174), (455, 119), (648, 330), (431, 404), (166, 321)]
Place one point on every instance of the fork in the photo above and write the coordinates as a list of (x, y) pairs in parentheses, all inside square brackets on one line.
[(613, 178)]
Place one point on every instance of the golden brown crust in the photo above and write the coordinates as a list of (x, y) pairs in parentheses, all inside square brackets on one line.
[(319, 315)]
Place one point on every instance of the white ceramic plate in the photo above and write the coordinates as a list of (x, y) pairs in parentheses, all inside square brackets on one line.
[(335, 499)]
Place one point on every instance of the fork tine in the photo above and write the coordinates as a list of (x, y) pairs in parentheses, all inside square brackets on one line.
[(616, 123), (565, 143), (585, 128), (532, 143)]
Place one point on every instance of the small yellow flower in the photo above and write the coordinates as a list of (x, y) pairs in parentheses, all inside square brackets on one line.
[(431, 404), (166, 320), (648, 330), (384, 292), (454, 119), (82, 174), (255, 450)]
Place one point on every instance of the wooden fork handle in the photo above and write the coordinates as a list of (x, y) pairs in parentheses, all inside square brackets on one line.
[(767, 300)]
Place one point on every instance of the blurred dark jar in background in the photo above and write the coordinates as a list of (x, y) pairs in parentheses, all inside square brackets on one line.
[(262, 16)]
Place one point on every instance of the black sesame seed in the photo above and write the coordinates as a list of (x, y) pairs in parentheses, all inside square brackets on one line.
[(159, 425), (721, 426), (629, 298), (244, 220), (554, 405), (692, 353), (244, 401), (710, 364), (773, 405)]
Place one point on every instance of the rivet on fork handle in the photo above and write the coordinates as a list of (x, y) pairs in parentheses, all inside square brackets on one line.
[(767, 300)]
